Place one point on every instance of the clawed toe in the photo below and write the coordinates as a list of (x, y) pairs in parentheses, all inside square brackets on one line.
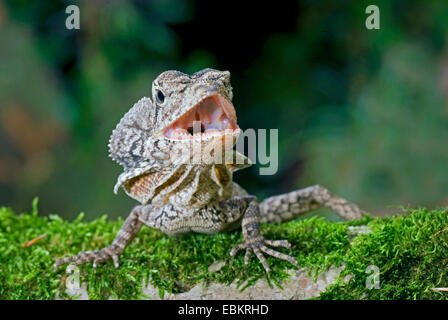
[(115, 260), (96, 257), (279, 255), (259, 247), (278, 243)]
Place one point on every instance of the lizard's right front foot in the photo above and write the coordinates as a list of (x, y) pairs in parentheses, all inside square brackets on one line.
[(98, 256)]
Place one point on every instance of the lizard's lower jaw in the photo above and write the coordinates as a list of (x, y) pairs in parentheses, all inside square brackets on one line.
[(214, 116)]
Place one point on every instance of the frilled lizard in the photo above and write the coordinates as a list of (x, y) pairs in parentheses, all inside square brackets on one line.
[(157, 142)]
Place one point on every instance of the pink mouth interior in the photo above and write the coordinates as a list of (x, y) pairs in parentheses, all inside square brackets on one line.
[(212, 115)]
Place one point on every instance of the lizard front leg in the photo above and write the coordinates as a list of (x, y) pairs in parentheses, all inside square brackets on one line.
[(129, 229), (253, 239)]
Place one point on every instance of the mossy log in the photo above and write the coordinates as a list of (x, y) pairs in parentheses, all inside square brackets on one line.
[(409, 251)]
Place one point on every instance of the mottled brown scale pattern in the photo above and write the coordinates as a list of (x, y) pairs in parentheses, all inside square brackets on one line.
[(178, 196), (141, 187)]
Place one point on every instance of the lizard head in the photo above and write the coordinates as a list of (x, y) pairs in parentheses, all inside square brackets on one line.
[(186, 111), (201, 101)]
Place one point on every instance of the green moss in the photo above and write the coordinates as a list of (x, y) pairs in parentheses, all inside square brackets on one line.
[(410, 251)]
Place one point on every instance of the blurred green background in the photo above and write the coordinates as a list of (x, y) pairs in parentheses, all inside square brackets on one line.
[(362, 112)]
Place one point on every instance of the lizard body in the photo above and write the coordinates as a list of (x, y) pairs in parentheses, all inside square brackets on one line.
[(156, 143)]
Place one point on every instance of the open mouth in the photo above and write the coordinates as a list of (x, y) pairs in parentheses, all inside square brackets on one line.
[(212, 116)]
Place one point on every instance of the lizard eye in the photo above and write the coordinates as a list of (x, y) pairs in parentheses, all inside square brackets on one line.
[(160, 96)]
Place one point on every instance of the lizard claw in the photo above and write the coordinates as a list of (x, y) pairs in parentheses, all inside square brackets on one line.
[(96, 257), (259, 246)]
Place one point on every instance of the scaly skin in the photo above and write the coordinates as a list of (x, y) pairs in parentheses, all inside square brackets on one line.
[(179, 195)]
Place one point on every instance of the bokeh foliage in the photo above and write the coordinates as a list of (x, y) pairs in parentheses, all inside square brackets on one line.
[(361, 112)]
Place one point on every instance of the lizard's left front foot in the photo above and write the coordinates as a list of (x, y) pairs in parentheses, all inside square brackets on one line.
[(259, 245)]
